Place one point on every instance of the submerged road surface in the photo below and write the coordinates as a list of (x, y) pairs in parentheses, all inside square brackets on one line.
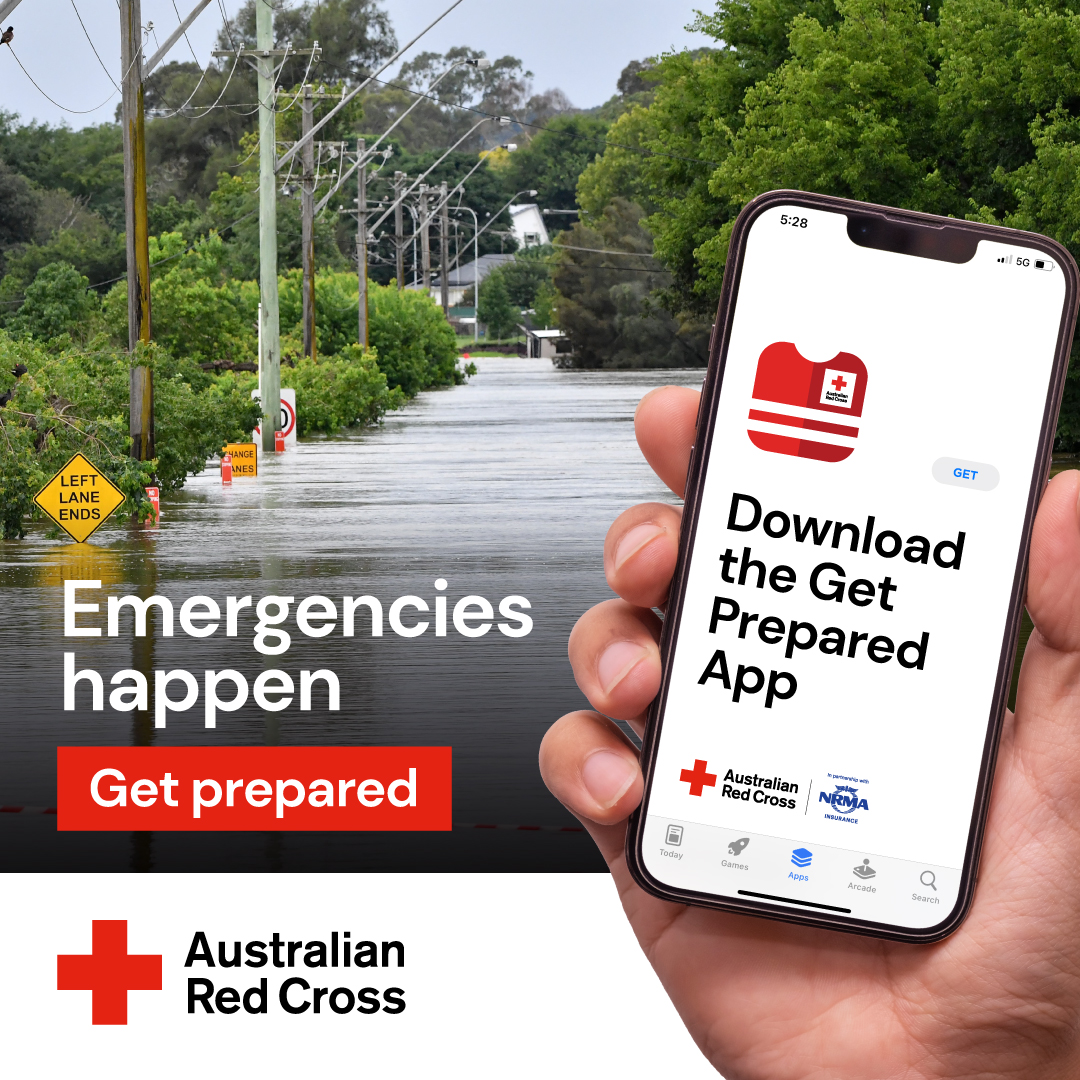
[(504, 486)]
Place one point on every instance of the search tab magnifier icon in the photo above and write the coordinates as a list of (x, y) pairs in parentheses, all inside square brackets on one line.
[(927, 878)]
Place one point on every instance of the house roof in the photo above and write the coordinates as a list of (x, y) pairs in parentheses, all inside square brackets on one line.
[(466, 275)]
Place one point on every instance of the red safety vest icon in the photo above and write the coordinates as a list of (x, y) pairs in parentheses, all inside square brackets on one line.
[(791, 392)]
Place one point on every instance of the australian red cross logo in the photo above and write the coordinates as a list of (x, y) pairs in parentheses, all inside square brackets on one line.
[(109, 972), (699, 777), (791, 392)]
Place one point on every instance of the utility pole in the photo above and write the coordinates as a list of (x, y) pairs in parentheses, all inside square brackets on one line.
[(141, 383), (399, 229), (270, 348), (425, 242), (307, 213), (444, 249), (361, 241)]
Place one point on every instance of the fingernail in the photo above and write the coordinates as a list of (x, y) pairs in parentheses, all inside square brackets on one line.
[(635, 540), (607, 777), (616, 662)]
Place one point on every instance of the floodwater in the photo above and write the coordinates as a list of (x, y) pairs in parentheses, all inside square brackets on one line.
[(504, 486)]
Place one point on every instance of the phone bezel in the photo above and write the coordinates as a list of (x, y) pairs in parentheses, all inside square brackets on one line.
[(706, 423)]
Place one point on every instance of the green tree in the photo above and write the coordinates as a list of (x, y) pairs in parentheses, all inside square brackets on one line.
[(662, 156), (496, 310), (552, 162), (604, 301), (526, 275), (88, 163), (57, 302), (354, 35)]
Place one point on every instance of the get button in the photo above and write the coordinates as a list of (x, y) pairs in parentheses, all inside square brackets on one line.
[(968, 474)]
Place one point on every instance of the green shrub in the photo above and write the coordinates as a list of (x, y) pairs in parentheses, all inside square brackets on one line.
[(414, 342), (339, 391), (77, 400), (46, 420)]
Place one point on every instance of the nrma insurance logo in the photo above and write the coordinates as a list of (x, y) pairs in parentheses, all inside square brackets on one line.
[(845, 802)]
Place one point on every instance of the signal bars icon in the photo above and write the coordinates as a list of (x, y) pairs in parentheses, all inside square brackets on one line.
[(1005, 259)]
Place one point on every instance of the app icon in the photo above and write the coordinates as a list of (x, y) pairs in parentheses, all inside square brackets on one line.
[(736, 846), (805, 409), (674, 835), (801, 857), (865, 871)]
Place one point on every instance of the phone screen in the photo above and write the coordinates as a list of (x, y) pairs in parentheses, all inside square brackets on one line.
[(848, 590)]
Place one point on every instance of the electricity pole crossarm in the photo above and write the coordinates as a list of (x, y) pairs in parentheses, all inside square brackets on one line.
[(7, 7), (502, 120), (296, 147), (171, 40), (360, 162)]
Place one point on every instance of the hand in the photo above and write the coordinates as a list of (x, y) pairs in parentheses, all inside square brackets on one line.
[(1000, 997)]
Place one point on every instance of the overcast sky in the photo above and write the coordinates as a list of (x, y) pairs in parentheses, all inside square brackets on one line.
[(578, 45)]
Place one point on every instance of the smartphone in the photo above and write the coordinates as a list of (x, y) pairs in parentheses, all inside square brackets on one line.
[(875, 432)]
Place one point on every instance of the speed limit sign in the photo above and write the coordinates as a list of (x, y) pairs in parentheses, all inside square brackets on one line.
[(288, 416)]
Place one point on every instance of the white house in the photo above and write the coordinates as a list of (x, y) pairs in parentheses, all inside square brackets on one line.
[(528, 225)]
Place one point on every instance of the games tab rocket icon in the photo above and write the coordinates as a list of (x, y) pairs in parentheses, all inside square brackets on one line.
[(805, 409)]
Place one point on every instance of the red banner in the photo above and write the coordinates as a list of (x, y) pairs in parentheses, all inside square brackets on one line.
[(253, 788)]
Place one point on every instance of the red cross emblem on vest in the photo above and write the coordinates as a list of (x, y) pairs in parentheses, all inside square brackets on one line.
[(109, 972)]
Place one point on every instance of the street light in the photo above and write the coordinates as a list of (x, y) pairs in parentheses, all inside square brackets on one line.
[(476, 272)]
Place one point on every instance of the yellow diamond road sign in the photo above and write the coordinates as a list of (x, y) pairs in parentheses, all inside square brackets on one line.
[(79, 498)]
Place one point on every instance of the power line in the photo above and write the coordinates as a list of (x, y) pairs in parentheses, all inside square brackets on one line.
[(605, 251), (225, 20), (93, 46), (63, 108), (180, 20), (207, 109)]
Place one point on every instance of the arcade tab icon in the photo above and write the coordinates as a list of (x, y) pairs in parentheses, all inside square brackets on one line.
[(805, 409)]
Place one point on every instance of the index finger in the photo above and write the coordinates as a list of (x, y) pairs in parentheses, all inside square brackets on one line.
[(665, 423)]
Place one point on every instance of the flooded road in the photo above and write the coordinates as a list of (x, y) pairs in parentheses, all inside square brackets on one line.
[(504, 486)]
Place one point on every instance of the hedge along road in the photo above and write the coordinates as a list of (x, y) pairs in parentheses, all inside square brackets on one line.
[(504, 486)]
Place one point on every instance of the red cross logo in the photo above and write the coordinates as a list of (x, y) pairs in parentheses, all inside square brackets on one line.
[(109, 972), (697, 777), (839, 382)]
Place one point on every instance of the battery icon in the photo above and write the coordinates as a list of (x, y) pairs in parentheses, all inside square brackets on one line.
[(1043, 264)]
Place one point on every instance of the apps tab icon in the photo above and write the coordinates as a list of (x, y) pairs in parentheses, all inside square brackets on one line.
[(801, 856)]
